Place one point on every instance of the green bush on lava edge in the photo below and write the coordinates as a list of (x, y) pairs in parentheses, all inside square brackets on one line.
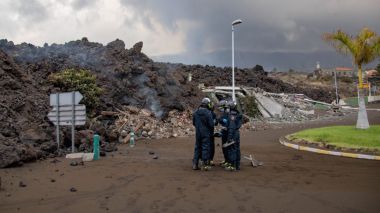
[(78, 80)]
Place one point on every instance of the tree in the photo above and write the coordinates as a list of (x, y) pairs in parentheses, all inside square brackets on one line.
[(364, 48)]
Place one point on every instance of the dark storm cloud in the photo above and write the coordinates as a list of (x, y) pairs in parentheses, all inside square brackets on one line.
[(269, 27)]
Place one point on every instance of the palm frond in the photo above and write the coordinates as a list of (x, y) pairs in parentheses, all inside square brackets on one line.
[(364, 48), (365, 35), (341, 41), (376, 46), (366, 41)]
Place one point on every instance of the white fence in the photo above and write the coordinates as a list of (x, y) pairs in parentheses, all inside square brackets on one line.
[(373, 98)]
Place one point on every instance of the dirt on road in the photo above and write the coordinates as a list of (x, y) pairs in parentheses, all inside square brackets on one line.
[(132, 180)]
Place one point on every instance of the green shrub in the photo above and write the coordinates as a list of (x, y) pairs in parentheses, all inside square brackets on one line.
[(250, 106), (78, 80), (326, 78)]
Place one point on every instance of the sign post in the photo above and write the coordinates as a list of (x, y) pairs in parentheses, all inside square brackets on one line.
[(57, 118), (73, 121), (67, 112)]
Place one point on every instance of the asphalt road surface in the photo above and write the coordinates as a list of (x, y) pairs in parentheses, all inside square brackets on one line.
[(130, 180)]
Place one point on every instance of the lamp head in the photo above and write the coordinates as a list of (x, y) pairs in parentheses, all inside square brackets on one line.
[(236, 22)]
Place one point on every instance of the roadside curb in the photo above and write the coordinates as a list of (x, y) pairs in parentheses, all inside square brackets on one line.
[(327, 152)]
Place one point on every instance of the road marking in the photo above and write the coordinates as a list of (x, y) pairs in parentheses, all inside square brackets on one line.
[(327, 152)]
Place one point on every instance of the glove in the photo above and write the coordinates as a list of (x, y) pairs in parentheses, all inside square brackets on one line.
[(229, 143), (224, 128)]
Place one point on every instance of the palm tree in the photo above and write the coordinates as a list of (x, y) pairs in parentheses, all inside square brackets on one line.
[(364, 48)]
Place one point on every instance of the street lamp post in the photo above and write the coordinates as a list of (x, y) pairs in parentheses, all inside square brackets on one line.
[(236, 22)]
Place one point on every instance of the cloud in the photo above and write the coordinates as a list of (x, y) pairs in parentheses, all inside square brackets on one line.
[(186, 30), (269, 28), (81, 4), (58, 21), (267, 25), (30, 10)]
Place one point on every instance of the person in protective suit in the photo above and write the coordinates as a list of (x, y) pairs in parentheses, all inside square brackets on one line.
[(223, 106), (204, 130), (212, 146), (232, 146)]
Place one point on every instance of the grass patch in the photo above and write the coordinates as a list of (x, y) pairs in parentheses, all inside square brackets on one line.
[(342, 136), (353, 101), (321, 106)]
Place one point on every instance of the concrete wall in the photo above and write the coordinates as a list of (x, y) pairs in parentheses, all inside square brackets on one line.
[(271, 106)]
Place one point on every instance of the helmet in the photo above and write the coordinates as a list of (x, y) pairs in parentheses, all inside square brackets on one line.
[(206, 101), (223, 103), (232, 104)]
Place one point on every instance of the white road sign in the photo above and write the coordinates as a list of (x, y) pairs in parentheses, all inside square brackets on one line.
[(69, 123), (65, 115), (67, 112), (65, 98), (77, 109)]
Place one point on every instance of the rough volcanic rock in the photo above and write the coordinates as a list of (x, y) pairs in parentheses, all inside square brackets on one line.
[(8, 155), (116, 46), (129, 77), (137, 47), (49, 147), (23, 109)]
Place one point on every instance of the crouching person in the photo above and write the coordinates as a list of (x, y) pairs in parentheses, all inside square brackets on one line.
[(204, 130)]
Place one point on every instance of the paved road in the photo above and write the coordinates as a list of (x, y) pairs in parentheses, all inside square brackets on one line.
[(130, 180)]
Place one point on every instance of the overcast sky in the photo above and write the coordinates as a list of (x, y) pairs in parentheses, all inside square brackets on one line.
[(275, 33)]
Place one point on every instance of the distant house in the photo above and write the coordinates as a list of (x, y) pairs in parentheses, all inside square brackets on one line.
[(340, 72), (374, 78)]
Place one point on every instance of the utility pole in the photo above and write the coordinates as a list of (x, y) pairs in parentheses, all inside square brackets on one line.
[(336, 89)]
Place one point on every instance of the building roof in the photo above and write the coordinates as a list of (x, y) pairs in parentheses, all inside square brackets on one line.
[(343, 69)]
